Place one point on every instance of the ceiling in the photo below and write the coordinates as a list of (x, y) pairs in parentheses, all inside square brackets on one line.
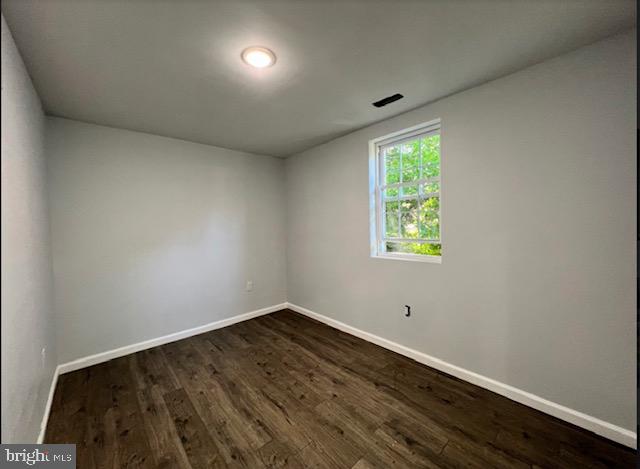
[(173, 68)]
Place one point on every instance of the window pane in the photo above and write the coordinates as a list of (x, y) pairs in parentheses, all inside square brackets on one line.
[(415, 248), (411, 161), (409, 218), (391, 220), (390, 194), (392, 165), (409, 190), (431, 156), (391, 206), (430, 204), (430, 188), (430, 218)]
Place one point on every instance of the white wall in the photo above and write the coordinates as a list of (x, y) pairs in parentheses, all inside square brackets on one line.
[(537, 284), (153, 235), (27, 306)]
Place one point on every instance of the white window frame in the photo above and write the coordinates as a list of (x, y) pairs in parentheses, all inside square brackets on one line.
[(375, 192)]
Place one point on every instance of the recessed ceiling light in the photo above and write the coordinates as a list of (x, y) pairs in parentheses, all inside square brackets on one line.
[(258, 57)]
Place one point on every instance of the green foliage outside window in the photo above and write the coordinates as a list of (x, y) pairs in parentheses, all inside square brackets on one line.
[(413, 211), (416, 248)]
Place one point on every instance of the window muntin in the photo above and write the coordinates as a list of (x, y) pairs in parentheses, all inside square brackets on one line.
[(407, 194)]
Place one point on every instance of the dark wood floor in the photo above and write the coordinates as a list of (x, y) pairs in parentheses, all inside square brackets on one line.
[(285, 391)]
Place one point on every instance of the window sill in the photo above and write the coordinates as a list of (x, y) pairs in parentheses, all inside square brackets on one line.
[(408, 257)]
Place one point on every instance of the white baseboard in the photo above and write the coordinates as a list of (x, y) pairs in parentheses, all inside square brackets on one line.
[(600, 427), (147, 344), (47, 408)]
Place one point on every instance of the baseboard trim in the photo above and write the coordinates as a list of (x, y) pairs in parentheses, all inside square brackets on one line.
[(593, 424), (47, 408), (147, 344), (600, 427)]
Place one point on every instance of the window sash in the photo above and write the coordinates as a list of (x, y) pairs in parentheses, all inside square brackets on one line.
[(420, 196), (383, 222), (414, 135), (411, 240), (430, 180)]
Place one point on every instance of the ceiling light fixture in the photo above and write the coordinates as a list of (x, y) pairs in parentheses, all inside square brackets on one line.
[(258, 57)]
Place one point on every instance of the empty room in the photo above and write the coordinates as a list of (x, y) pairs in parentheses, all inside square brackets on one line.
[(357, 234)]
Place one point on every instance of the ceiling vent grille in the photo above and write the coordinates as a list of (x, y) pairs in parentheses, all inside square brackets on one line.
[(388, 100)]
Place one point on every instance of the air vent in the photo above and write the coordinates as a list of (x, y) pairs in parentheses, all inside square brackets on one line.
[(388, 100)]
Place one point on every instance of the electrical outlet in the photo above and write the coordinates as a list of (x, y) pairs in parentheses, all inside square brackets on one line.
[(249, 285)]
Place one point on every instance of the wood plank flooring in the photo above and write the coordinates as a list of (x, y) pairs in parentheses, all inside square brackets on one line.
[(284, 391)]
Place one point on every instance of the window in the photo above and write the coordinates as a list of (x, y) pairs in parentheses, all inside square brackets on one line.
[(405, 194)]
